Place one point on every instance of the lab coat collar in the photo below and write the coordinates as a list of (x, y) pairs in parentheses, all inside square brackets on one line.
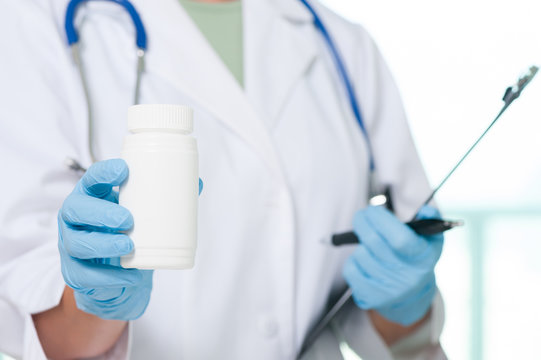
[(179, 54), (280, 45), (293, 10)]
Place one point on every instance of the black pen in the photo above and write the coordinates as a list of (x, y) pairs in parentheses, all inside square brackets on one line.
[(421, 227)]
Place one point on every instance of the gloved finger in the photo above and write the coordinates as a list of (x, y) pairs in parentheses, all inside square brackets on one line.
[(115, 296), (396, 277), (87, 244), (397, 274), (372, 240), (399, 279), (200, 186), (130, 304), (101, 177), (368, 292), (411, 308), (112, 197), (383, 271), (110, 295), (113, 261), (402, 239), (82, 210), (82, 275)]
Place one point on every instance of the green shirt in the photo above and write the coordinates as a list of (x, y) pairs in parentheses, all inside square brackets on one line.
[(221, 24)]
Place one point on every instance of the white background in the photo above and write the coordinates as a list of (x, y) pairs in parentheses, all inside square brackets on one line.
[(453, 61)]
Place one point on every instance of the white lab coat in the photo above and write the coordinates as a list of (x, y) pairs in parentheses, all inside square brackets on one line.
[(283, 161)]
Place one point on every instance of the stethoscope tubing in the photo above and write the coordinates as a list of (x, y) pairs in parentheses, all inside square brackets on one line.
[(73, 42), (343, 73), (73, 36)]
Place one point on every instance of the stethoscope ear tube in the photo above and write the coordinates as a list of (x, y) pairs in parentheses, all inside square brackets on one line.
[(73, 37)]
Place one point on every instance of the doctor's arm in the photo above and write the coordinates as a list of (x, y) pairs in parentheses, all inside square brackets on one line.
[(392, 332), (66, 332)]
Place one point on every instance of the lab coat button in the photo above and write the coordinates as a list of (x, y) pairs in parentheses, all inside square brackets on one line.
[(267, 326)]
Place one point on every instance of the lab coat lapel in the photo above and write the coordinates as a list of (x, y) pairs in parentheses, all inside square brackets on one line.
[(179, 54), (280, 45)]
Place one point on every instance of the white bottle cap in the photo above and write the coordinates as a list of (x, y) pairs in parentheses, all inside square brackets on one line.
[(160, 116)]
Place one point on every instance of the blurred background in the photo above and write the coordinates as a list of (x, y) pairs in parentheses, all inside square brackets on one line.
[(452, 62)]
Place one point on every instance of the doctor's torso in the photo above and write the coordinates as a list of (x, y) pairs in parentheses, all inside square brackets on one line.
[(283, 161)]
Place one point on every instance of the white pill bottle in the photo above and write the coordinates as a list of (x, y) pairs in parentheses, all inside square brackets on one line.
[(162, 188)]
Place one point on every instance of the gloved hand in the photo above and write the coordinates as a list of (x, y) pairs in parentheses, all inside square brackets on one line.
[(392, 270), (91, 240)]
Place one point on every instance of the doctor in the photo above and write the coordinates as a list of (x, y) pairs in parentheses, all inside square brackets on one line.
[(284, 162)]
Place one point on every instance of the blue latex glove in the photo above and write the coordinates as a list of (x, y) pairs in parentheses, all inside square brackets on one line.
[(91, 240), (392, 270)]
